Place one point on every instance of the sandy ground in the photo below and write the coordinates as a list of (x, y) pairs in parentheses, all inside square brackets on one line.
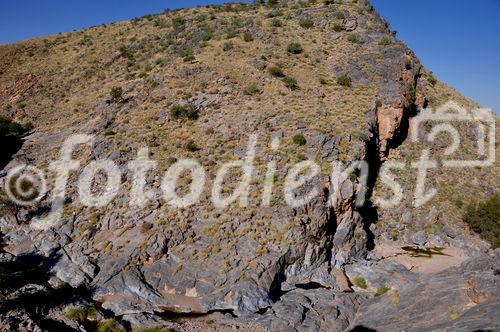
[(446, 258)]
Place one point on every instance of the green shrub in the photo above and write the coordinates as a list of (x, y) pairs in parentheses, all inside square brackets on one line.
[(276, 71), (291, 83), (252, 89), (178, 21), (340, 15), (432, 79), (386, 41), (381, 291), (9, 127), (108, 325), (227, 46), (79, 314), (299, 139), (276, 22), (484, 219), (191, 146), (306, 23), (411, 92), (328, 2), (354, 38), (294, 48), (360, 282), (338, 27), (247, 36), (109, 133), (116, 94), (272, 3), (275, 13), (344, 80), (183, 112), (187, 54), (323, 81)]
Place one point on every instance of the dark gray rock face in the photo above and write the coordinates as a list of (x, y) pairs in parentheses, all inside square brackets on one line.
[(465, 298)]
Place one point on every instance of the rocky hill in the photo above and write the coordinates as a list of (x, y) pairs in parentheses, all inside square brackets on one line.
[(295, 82)]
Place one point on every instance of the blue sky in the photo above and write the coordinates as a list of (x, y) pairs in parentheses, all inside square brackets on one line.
[(459, 40)]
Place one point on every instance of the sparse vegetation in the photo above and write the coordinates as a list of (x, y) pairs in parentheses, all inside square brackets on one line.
[(227, 46), (184, 112), (354, 38), (360, 282), (247, 37), (299, 139), (484, 219), (294, 48), (432, 79), (116, 94), (381, 291), (108, 325), (276, 23), (276, 71), (344, 80), (291, 83), (386, 41), (306, 23), (252, 89), (338, 27), (191, 146), (411, 93), (79, 314)]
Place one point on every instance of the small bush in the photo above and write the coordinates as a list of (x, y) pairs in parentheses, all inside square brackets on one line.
[(340, 15), (432, 79), (252, 89), (116, 94), (328, 2), (291, 83), (306, 23), (386, 41), (187, 54), (276, 23), (227, 46), (381, 291), (354, 38), (272, 3), (299, 139), (360, 282), (338, 27), (484, 219), (344, 80), (79, 314), (191, 146), (411, 93), (178, 21), (109, 133), (108, 325), (247, 37), (183, 112), (323, 81), (294, 48), (276, 71)]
